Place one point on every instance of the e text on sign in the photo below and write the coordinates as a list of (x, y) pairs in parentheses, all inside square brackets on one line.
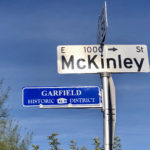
[(61, 96), (92, 59)]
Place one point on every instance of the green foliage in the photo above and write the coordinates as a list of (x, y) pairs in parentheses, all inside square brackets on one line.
[(53, 141), (10, 138), (83, 148), (3, 98), (73, 145), (117, 145), (97, 144), (36, 147), (54, 144)]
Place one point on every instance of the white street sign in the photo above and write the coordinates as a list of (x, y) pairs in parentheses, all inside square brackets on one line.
[(92, 59), (102, 25)]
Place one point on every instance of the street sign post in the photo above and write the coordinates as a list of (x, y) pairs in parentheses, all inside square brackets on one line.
[(113, 104), (62, 97), (92, 59), (109, 110), (102, 25)]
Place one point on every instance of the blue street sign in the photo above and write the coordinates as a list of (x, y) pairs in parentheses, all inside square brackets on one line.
[(61, 96)]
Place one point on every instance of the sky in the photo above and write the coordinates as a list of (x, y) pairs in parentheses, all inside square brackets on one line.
[(31, 30)]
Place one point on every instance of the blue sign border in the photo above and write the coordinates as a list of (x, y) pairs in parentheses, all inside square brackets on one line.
[(78, 96)]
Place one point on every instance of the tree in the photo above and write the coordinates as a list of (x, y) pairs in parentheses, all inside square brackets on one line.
[(36, 147), (3, 98), (53, 142), (117, 145), (83, 148), (10, 138), (13, 139), (97, 144), (73, 145)]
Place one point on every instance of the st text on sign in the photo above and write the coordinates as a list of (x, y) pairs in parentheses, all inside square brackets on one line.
[(92, 59)]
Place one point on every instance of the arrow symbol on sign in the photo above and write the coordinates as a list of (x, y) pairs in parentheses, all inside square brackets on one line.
[(112, 49)]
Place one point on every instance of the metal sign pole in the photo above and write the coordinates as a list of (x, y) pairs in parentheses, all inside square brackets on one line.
[(109, 108), (113, 106), (107, 121)]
